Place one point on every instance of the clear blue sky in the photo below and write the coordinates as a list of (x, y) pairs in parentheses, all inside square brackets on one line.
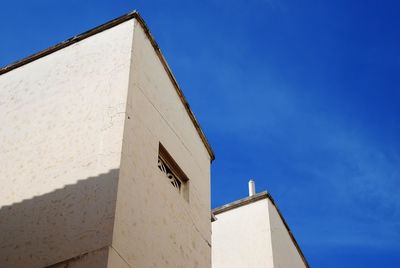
[(302, 96)]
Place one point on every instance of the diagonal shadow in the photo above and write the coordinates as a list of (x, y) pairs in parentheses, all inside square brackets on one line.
[(59, 225)]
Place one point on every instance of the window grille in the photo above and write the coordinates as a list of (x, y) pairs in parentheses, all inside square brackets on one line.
[(173, 172), (170, 175)]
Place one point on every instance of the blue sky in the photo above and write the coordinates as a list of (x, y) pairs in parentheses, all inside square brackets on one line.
[(302, 96)]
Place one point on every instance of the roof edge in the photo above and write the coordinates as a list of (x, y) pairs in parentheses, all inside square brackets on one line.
[(131, 15), (255, 198), (240, 203)]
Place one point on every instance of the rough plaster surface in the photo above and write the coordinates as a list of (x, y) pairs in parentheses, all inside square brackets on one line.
[(105, 257), (79, 147), (115, 260), (62, 119), (241, 237), (96, 259), (167, 230)]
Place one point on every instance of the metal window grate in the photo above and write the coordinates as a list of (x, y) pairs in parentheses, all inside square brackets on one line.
[(175, 175), (173, 179)]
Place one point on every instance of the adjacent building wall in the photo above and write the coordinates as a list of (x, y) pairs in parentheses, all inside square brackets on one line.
[(62, 119), (155, 225), (284, 250), (241, 237), (251, 233)]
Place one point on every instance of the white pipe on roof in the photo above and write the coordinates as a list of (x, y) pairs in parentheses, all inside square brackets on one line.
[(252, 188)]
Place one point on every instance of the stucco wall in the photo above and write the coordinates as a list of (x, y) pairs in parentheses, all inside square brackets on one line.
[(253, 235), (62, 120), (284, 251), (105, 257), (97, 258), (155, 226), (241, 237)]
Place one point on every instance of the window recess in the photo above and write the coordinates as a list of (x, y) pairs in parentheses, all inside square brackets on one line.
[(177, 178)]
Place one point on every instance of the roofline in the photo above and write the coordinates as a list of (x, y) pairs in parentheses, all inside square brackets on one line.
[(131, 15), (251, 199), (240, 203)]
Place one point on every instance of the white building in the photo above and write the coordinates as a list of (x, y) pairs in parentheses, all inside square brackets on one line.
[(252, 233), (102, 162)]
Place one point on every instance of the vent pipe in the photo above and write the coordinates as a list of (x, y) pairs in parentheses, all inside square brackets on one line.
[(252, 188)]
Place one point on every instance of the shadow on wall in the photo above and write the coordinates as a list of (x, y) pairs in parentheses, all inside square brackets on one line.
[(59, 225)]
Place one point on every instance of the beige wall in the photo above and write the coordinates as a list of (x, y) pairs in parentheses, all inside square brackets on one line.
[(61, 133), (99, 258), (253, 235), (79, 143), (155, 226), (241, 237), (284, 251)]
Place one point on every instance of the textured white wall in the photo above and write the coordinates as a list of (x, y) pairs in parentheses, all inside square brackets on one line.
[(241, 237), (61, 130), (155, 226), (79, 145), (253, 236), (96, 259)]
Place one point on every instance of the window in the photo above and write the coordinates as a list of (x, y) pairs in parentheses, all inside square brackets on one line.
[(173, 179), (173, 172)]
